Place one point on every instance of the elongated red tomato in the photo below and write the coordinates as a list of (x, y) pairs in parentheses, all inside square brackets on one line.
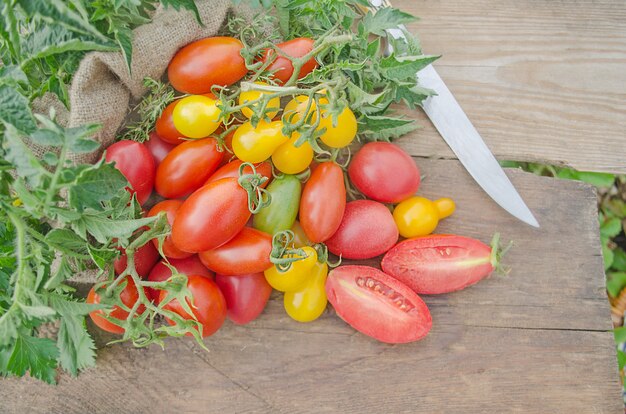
[(208, 304), (187, 167), (136, 163), (211, 216), (165, 126), (384, 172), (129, 297), (157, 147), (189, 266), (246, 296), (206, 62), (282, 67), (377, 305), (323, 202), (232, 170), (145, 257), (439, 263), (170, 207), (367, 230), (247, 252)]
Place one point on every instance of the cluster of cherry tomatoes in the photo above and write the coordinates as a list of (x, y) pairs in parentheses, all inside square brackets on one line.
[(243, 222)]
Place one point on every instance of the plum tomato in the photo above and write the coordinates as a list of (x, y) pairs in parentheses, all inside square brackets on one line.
[(165, 128), (136, 163), (161, 272), (129, 297), (246, 296), (282, 67), (283, 210), (231, 170), (196, 116), (158, 148), (170, 207), (145, 257), (377, 305), (255, 145), (418, 216), (384, 172), (271, 108)]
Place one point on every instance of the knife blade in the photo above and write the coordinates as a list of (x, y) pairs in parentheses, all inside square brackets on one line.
[(462, 137)]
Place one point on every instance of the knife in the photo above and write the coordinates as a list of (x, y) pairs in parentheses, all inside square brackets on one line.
[(460, 134)]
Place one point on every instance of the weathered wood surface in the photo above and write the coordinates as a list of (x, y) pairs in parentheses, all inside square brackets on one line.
[(535, 341), (541, 80)]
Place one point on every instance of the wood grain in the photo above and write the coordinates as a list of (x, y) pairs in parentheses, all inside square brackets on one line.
[(540, 80), (535, 341)]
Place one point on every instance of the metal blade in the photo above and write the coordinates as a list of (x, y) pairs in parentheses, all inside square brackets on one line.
[(457, 130)]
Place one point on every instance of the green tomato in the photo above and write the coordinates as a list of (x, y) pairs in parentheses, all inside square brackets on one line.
[(282, 211)]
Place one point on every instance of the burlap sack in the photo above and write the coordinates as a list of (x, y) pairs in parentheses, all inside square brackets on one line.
[(103, 89)]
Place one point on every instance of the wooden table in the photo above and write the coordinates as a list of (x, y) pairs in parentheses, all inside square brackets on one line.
[(536, 341)]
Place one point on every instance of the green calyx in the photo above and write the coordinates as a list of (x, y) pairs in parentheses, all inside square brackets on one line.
[(258, 197)]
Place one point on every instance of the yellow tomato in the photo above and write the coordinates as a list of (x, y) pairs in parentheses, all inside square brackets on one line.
[(308, 304), (342, 133), (290, 159), (296, 109), (196, 116), (418, 216), (253, 95), (296, 277), (256, 145)]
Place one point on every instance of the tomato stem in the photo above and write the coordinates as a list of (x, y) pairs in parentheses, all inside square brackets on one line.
[(283, 253), (258, 197)]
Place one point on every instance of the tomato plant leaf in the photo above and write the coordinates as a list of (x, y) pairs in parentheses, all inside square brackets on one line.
[(96, 185), (184, 4), (386, 18), (615, 282), (15, 110), (37, 355), (384, 128), (18, 154), (403, 68)]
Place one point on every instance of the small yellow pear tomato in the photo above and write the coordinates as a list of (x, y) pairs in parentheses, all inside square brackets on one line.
[(290, 159), (249, 96), (196, 116), (308, 304), (256, 145), (296, 277), (419, 216), (342, 131), (296, 109)]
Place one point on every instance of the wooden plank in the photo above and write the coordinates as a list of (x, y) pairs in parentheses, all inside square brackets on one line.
[(535, 341), (541, 80)]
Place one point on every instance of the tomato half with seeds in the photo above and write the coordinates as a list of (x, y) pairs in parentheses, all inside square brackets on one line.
[(145, 257), (282, 67), (129, 297), (440, 263), (207, 62), (135, 162), (157, 147), (323, 202), (207, 303), (189, 266), (170, 207), (187, 167), (165, 128), (231, 170), (211, 216), (367, 230), (377, 305), (247, 252), (246, 296)]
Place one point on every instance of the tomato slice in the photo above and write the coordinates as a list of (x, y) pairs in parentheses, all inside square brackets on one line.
[(377, 305)]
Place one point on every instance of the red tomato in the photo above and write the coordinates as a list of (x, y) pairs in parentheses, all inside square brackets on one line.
[(160, 272), (247, 252), (170, 207), (129, 297), (367, 230), (384, 172), (165, 126), (158, 148), (206, 62), (208, 304), (232, 170), (136, 163), (246, 296), (377, 305), (439, 263), (323, 202), (187, 167), (295, 48), (145, 257), (211, 216)]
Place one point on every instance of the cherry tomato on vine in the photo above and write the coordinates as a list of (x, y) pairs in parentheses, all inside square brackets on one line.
[(384, 172), (188, 266), (231, 170), (170, 207), (283, 210), (418, 216), (308, 304), (282, 68), (246, 296), (323, 202), (290, 159), (196, 116), (187, 167), (247, 252), (145, 257), (255, 145), (165, 126), (129, 297), (206, 62), (158, 148), (253, 95), (207, 303), (135, 162), (296, 277), (211, 216), (340, 132), (297, 108)]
